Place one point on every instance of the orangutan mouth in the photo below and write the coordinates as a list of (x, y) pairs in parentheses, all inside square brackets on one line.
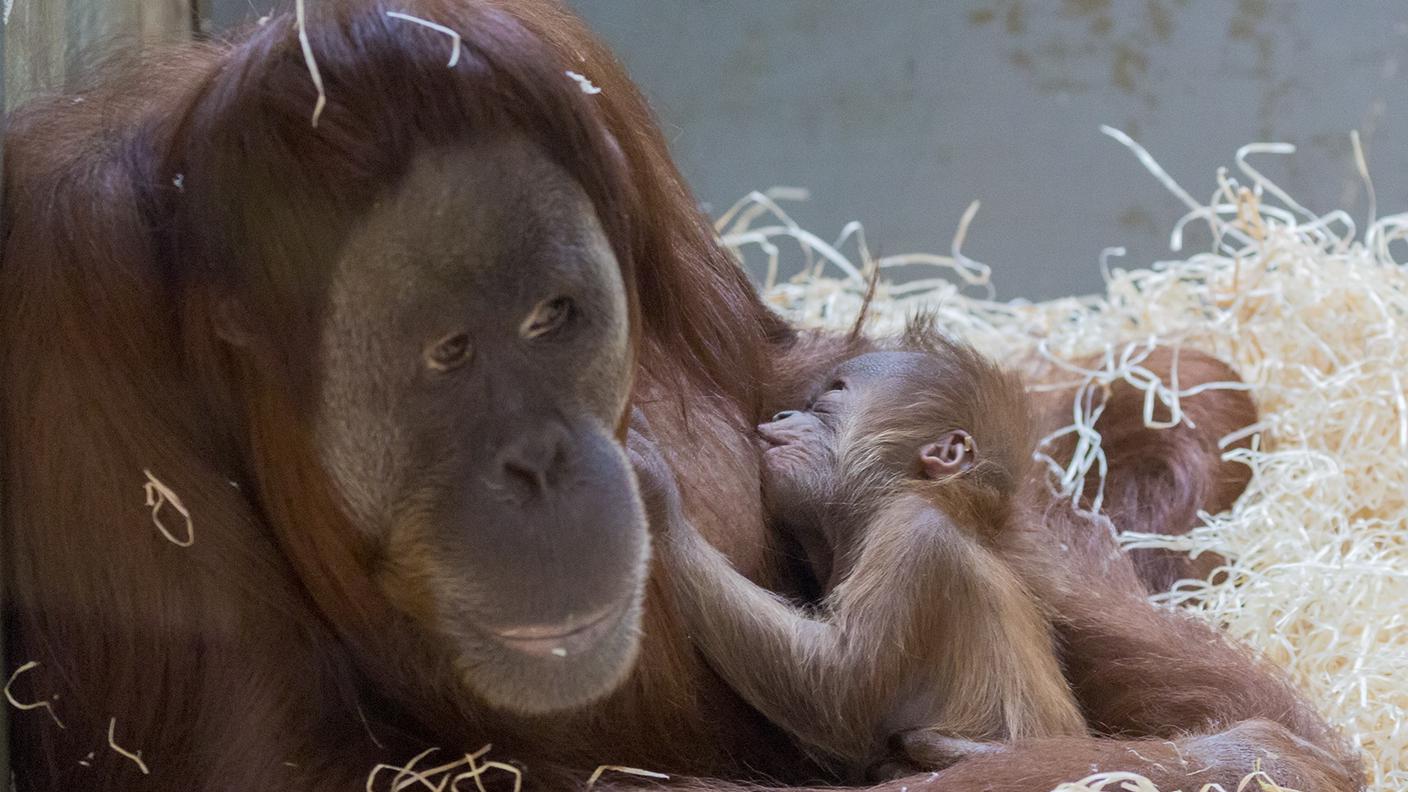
[(562, 638)]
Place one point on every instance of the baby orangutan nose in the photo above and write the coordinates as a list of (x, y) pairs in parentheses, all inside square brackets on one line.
[(788, 428), (952, 454)]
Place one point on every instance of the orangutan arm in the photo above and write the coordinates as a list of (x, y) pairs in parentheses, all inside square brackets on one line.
[(818, 676)]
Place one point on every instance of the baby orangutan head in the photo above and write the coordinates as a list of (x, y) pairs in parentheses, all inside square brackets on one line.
[(936, 419)]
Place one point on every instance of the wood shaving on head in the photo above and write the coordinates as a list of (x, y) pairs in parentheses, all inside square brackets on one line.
[(1315, 319), (436, 26), (583, 83), (301, 17), (158, 495)]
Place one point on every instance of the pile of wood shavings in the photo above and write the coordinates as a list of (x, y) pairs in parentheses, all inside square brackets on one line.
[(1313, 315)]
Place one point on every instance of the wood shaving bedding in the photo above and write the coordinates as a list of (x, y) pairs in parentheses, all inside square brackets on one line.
[(1312, 314)]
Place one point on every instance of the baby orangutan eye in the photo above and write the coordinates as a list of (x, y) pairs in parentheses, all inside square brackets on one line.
[(448, 353), (951, 454)]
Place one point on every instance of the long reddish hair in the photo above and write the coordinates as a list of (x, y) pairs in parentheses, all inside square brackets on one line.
[(131, 207), (259, 174)]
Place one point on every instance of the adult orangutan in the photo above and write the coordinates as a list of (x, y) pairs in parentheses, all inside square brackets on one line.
[(382, 356)]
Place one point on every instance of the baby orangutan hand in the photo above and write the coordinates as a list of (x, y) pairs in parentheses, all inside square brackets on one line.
[(659, 492)]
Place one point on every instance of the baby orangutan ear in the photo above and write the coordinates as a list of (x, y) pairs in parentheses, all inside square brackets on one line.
[(950, 455)]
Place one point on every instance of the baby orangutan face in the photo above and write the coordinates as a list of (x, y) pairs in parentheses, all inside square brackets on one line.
[(859, 434)]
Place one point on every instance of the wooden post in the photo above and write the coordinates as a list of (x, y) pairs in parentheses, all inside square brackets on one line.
[(34, 51), (47, 38), (4, 706)]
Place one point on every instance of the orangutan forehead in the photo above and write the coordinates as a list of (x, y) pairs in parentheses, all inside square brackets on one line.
[(473, 205), (496, 216)]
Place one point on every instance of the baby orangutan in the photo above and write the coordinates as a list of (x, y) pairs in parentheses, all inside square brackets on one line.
[(899, 479)]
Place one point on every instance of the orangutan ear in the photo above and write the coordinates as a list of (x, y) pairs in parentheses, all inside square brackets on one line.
[(951, 454)]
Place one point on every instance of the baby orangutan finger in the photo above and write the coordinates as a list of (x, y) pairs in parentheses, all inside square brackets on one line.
[(933, 750), (658, 489)]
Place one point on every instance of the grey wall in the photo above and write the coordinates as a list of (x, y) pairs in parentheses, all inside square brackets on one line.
[(901, 112)]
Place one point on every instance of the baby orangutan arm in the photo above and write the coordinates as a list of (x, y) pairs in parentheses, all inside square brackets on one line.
[(918, 599), (828, 684)]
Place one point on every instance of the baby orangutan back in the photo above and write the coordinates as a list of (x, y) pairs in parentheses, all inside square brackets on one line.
[(900, 481)]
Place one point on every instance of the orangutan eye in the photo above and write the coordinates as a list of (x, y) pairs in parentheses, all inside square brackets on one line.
[(448, 353), (548, 316)]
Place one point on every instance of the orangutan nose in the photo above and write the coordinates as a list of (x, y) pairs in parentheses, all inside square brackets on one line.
[(532, 463)]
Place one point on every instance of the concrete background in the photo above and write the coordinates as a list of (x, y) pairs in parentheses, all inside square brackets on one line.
[(900, 112)]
